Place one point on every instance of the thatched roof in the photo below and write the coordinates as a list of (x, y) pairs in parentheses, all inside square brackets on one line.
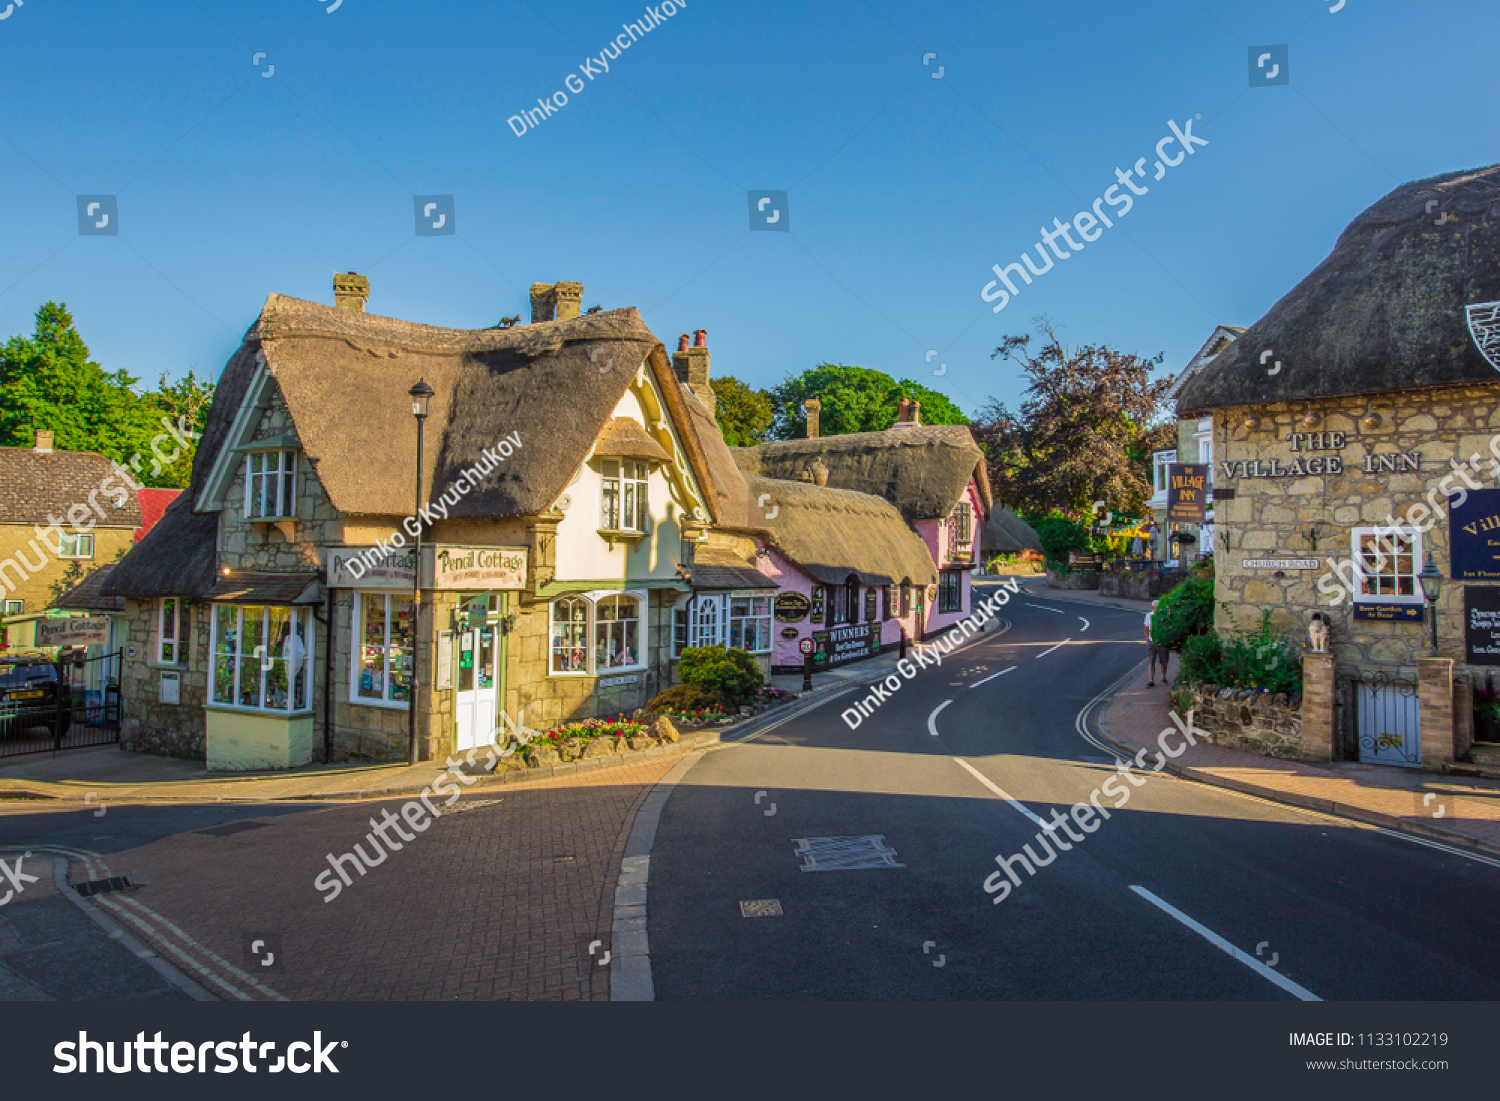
[(177, 557), (35, 483), (1386, 309), (734, 504), (88, 595), (344, 376), (921, 469), (1006, 533), (626, 439), (832, 533), (717, 568)]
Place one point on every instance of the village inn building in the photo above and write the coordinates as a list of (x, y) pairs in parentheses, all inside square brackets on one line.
[(1341, 423), (582, 522)]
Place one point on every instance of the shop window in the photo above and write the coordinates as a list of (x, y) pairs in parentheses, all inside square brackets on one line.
[(382, 661), (905, 598), (870, 612), (570, 635), (270, 485), (750, 623), (841, 607), (888, 593), (262, 657), (950, 591), (170, 621), (617, 634), (70, 545), (1387, 563), (623, 500)]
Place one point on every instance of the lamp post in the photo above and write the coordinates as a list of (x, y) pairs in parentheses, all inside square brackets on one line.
[(1432, 585), (420, 394)]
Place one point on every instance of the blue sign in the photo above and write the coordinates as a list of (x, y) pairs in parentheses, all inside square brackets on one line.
[(1389, 611), (1474, 536)]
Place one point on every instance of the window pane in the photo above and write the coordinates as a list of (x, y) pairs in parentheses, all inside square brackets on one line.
[(252, 643), (372, 647), (569, 636), (401, 647), (609, 513), (226, 632)]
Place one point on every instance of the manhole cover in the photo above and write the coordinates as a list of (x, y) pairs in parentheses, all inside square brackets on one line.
[(103, 886), (761, 907), (232, 828), (845, 854)]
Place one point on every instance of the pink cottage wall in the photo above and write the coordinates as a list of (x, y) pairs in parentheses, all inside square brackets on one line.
[(790, 578), (935, 534)]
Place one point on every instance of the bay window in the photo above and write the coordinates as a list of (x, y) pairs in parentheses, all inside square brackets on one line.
[(750, 623), (270, 485), (262, 657), (617, 633), (382, 655), (597, 634)]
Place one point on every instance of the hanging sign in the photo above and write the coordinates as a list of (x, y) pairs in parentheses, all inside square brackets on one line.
[(1474, 535), (1187, 492), (792, 607), (473, 568)]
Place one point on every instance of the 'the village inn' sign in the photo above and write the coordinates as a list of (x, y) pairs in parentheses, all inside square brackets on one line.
[(1401, 463)]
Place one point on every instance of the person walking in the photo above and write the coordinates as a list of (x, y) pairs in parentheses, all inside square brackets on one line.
[(1154, 653)]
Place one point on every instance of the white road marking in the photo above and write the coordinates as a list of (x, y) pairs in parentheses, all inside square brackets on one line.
[(932, 719), (992, 676), (1085, 623), (1449, 849), (1044, 608), (985, 780), (1061, 644), (1299, 992)]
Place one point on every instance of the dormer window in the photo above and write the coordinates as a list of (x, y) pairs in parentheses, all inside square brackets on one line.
[(622, 505), (271, 485)]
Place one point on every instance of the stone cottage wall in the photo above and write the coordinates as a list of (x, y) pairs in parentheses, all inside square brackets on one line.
[(1249, 720), (147, 725)]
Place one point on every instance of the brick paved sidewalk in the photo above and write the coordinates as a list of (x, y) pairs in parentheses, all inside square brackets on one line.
[(498, 899), (1461, 811)]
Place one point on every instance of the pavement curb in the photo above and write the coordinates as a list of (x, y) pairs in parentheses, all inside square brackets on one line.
[(1311, 802)]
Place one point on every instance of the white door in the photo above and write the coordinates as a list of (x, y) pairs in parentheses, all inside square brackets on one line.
[(475, 700)]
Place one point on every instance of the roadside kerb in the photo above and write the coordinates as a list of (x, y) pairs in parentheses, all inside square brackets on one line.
[(1311, 802)]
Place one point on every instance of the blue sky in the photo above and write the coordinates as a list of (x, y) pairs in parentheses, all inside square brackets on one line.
[(903, 188)]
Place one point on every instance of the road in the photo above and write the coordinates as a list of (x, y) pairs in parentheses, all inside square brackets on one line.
[(1187, 892)]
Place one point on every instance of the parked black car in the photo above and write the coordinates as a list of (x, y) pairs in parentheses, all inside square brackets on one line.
[(30, 688)]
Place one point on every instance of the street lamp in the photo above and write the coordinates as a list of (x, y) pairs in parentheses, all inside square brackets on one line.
[(421, 393), (1432, 585)]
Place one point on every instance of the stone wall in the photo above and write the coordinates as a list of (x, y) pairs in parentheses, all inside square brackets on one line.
[(1312, 515), (1250, 720), (1136, 584), (147, 725), (1075, 579)]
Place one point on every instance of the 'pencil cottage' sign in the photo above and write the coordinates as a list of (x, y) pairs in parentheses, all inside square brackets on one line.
[(473, 567)]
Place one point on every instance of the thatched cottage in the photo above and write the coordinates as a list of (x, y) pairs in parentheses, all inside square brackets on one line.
[(1354, 431)]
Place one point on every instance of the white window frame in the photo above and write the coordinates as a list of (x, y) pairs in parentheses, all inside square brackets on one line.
[(1161, 460), (284, 478), (1206, 456), (15, 607), (1362, 597), (82, 545), (767, 617), (245, 660), (357, 648), (631, 483), (178, 621), (591, 621)]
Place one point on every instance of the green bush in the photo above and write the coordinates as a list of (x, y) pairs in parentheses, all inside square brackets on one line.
[(1202, 659), (1060, 537), (682, 698), (1186, 611), (730, 673), (1244, 659)]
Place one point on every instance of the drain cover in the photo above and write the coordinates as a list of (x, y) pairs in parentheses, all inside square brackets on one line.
[(761, 907), (103, 886), (845, 854), (230, 828)]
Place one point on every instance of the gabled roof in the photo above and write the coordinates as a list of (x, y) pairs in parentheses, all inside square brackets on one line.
[(1223, 336), (624, 438), (177, 557), (154, 503), (833, 533), (1385, 311), (922, 469), (1006, 533), (36, 483), (88, 594), (345, 375)]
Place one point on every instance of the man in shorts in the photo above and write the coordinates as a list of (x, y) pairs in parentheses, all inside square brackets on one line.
[(1154, 653)]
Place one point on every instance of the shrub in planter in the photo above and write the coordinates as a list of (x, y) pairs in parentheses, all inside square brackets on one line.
[(685, 698), (732, 673), (1202, 656)]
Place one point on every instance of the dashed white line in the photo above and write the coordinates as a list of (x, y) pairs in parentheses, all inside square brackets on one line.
[(985, 780), (1061, 644), (932, 719), (1299, 992), (1044, 608), (992, 676)]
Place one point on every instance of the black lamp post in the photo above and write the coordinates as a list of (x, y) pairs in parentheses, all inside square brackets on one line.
[(420, 394), (1432, 585)]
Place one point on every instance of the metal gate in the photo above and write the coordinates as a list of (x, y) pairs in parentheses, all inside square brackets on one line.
[(1379, 719), (86, 713)]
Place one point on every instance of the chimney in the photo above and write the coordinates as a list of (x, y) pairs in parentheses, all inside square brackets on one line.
[(568, 298), (908, 414), (43, 441), (691, 365), (351, 291), (543, 305), (814, 407)]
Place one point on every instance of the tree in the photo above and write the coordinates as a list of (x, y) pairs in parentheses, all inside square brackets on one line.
[(1090, 418), (743, 414), (48, 381), (855, 399)]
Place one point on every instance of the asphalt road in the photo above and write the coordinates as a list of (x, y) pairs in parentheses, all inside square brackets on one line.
[(1252, 900)]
